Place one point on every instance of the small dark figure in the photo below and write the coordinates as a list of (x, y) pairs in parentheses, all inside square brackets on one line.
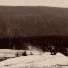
[(17, 55), (24, 53), (53, 50), (31, 53)]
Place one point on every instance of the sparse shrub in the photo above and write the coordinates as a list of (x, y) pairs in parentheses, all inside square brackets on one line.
[(24, 53), (17, 55)]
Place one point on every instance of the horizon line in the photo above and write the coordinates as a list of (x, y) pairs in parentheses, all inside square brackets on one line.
[(31, 6)]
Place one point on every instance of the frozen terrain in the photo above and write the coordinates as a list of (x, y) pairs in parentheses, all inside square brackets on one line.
[(43, 60)]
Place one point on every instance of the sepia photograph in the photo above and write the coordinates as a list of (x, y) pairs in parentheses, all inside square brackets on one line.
[(33, 33)]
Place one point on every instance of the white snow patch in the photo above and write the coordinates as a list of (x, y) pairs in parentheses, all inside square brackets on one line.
[(35, 60)]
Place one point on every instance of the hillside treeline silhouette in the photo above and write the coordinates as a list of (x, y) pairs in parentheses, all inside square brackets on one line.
[(29, 21), (45, 43), (41, 27)]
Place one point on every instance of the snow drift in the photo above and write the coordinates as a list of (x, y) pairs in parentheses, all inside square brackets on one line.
[(37, 61)]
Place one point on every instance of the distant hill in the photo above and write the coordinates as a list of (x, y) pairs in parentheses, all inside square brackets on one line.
[(27, 21)]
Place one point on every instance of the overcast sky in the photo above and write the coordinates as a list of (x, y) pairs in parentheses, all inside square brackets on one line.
[(55, 3)]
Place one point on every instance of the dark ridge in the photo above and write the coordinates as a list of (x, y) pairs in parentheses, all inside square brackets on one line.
[(40, 27), (42, 41), (26, 21)]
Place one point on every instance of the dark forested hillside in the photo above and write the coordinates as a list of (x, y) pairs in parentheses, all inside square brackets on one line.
[(23, 21), (39, 26)]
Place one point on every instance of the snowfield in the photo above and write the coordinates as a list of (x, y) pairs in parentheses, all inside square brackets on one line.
[(44, 60)]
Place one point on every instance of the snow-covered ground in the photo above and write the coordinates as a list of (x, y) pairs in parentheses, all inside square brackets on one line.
[(11, 53), (39, 60)]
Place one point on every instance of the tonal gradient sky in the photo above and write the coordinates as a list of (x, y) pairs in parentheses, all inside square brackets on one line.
[(54, 3)]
